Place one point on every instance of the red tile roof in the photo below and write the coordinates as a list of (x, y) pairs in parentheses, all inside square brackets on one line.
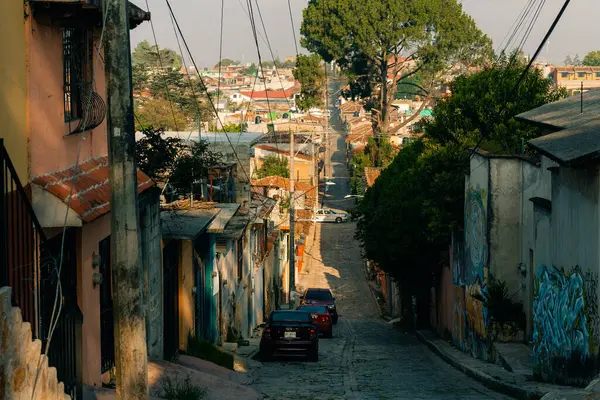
[(91, 189), (371, 174), (282, 152), (350, 107), (272, 94), (280, 182)]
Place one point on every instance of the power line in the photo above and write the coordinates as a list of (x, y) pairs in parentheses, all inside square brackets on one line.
[(293, 28), (205, 88), (524, 73), (58, 293), (162, 71)]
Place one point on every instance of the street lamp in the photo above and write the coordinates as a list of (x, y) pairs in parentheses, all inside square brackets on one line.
[(349, 196)]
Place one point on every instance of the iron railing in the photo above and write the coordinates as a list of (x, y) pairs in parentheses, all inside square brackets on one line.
[(21, 238), (93, 109), (64, 344), (27, 265)]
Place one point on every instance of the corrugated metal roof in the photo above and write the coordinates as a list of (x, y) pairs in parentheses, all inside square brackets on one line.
[(186, 224), (577, 137), (565, 113), (228, 210)]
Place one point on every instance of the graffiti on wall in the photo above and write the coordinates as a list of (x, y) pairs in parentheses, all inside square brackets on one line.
[(476, 234), (565, 331), (472, 273), (458, 317)]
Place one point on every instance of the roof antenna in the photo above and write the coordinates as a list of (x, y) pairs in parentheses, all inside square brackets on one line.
[(581, 91)]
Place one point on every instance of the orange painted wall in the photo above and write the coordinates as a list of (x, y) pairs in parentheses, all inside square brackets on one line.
[(88, 298), (50, 147)]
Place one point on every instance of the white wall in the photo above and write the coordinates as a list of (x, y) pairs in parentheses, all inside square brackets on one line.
[(504, 212), (575, 219)]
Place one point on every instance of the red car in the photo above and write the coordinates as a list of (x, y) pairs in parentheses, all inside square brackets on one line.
[(320, 297), (321, 319)]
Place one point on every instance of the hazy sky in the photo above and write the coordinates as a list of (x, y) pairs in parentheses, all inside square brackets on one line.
[(577, 33)]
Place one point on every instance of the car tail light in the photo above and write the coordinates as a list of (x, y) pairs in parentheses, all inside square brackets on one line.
[(267, 332), (324, 318), (313, 332)]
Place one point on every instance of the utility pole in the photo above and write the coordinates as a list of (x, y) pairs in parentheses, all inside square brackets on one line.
[(130, 328), (292, 217), (315, 178), (326, 105)]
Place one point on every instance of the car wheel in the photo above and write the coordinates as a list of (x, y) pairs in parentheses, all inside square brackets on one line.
[(338, 220)]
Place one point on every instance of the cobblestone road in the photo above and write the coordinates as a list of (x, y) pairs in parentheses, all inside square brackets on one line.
[(366, 359)]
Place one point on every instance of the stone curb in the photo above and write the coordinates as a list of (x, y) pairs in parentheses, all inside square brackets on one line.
[(495, 384), (375, 300)]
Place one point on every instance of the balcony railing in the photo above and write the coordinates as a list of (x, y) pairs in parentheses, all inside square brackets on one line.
[(21, 239)]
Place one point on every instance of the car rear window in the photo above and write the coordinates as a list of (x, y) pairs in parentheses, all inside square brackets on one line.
[(301, 316), (318, 295), (314, 309)]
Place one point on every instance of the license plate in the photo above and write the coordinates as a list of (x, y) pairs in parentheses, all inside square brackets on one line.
[(289, 335)]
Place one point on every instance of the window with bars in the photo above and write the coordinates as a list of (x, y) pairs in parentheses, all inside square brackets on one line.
[(77, 57)]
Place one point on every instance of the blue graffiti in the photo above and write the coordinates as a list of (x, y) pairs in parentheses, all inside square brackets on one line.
[(560, 323), (475, 238)]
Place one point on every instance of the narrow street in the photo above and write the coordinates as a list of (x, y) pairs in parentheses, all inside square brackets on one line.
[(367, 358)]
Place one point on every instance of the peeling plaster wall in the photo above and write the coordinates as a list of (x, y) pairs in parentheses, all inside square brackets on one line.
[(535, 230), (565, 311), (504, 222)]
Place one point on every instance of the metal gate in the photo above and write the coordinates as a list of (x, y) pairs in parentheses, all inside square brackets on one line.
[(171, 300), (61, 325), (107, 332)]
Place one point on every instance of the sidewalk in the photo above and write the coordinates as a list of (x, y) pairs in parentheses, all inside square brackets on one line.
[(497, 378)]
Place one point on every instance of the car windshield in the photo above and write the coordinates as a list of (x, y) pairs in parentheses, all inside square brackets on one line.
[(282, 316), (314, 309), (318, 295)]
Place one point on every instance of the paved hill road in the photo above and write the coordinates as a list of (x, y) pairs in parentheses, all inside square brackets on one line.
[(366, 359)]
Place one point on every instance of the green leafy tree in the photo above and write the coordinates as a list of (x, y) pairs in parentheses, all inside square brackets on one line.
[(419, 198), (192, 166), (310, 74), (159, 113), (146, 54), (592, 59), (226, 62), (482, 108), (381, 43), (155, 154), (409, 88), (252, 70), (168, 87), (273, 166)]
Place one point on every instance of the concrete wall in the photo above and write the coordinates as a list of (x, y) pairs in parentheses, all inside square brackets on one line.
[(565, 308), (20, 358), (535, 230), (504, 214), (151, 243), (13, 86), (50, 147), (88, 297)]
